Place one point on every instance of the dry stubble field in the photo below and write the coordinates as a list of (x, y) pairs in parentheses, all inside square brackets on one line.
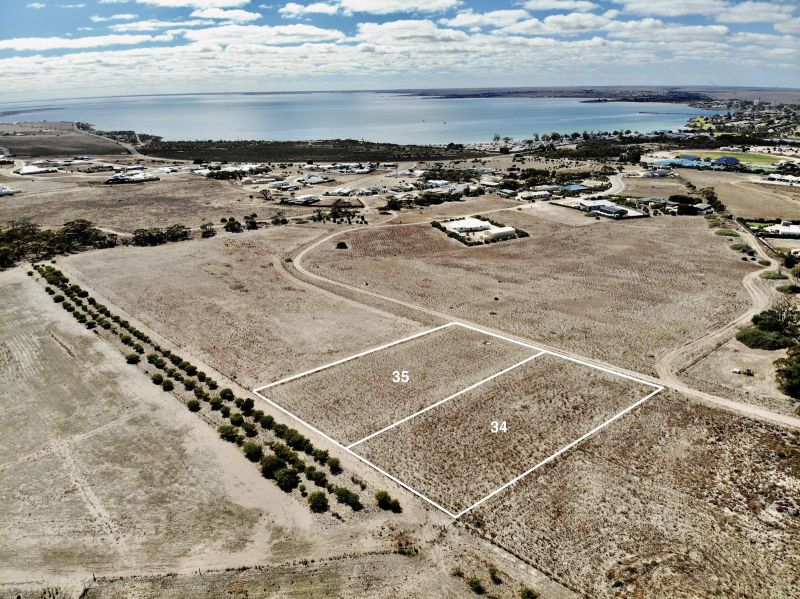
[(675, 500), (546, 404), (228, 301), (619, 292), (102, 472), (352, 400)]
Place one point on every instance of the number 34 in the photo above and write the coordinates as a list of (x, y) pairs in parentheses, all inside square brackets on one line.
[(499, 426)]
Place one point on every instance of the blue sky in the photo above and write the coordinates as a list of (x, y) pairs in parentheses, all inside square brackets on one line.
[(62, 48)]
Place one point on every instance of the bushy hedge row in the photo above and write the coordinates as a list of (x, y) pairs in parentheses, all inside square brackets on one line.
[(283, 465)]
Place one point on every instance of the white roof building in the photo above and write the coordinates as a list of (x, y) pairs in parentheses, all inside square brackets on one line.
[(467, 225)]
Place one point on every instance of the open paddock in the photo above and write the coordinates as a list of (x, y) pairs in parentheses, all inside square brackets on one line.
[(674, 501), (481, 440), (355, 398), (52, 200), (621, 292), (744, 196), (228, 301)]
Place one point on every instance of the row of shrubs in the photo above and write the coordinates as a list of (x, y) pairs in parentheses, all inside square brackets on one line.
[(283, 465)]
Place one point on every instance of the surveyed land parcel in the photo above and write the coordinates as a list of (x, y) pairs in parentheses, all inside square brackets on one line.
[(479, 412), (358, 396)]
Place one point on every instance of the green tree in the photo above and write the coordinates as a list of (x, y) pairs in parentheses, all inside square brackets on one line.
[(270, 465), (287, 479), (228, 433), (787, 373), (252, 451), (318, 502), (193, 405)]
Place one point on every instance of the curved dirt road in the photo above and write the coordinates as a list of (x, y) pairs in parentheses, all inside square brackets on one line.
[(665, 367)]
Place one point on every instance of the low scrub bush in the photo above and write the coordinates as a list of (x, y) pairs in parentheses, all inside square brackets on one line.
[(386, 502), (193, 405), (252, 451), (132, 358), (726, 233), (772, 275), (755, 338), (788, 289), (318, 502), (348, 497)]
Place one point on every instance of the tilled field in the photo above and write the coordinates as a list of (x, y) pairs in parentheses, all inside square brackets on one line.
[(675, 501), (352, 400), (228, 301), (545, 404), (619, 292)]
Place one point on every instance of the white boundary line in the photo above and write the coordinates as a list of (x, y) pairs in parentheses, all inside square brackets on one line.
[(354, 454), (348, 448), (363, 353), (438, 403), (560, 451)]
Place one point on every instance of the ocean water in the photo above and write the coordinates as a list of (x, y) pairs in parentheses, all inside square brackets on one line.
[(356, 115)]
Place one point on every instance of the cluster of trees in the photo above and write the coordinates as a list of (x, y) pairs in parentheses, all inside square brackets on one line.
[(776, 328), (282, 464), (25, 241), (156, 236)]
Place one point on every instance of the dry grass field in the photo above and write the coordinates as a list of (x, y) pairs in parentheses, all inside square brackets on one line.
[(637, 187), (101, 472), (674, 501), (745, 197), (53, 139), (52, 200), (546, 404), (104, 474), (228, 301), (454, 209), (352, 400), (619, 292)]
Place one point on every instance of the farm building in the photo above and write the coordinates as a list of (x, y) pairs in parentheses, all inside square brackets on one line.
[(704, 208), (726, 161), (305, 200)]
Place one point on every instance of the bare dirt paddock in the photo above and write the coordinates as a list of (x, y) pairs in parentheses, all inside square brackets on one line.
[(619, 292), (674, 501), (102, 472), (481, 440), (352, 400)]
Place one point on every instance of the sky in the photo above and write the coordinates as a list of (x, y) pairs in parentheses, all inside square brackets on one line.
[(77, 48)]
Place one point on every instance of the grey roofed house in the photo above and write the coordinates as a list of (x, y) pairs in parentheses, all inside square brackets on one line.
[(704, 208)]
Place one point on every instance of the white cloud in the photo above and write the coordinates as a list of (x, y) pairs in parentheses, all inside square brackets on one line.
[(239, 16), (788, 26), (120, 17), (152, 25), (195, 3), (386, 7), (35, 5), (85, 28), (674, 8), (572, 23), (293, 10), (262, 34), (40, 44), (71, 5), (542, 5), (494, 18), (755, 12), (409, 32), (656, 31)]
